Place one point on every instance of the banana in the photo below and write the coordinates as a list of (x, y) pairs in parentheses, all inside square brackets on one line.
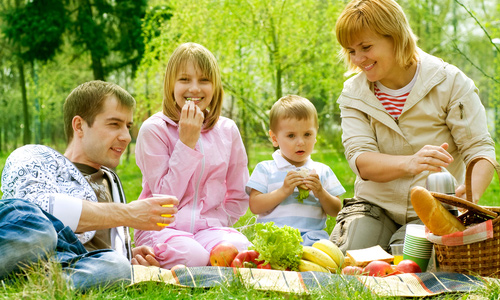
[(321, 258), (305, 266), (332, 250)]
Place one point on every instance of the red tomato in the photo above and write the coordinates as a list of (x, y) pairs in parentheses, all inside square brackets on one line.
[(246, 258), (264, 266)]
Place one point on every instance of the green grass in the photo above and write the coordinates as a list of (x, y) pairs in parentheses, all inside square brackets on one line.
[(41, 282)]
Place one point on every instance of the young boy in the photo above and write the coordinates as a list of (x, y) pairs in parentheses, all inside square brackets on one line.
[(273, 186)]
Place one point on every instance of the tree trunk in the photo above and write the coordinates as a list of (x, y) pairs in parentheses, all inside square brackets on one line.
[(26, 114), (95, 55)]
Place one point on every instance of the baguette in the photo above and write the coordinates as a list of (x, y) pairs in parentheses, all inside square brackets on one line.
[(437, 218)]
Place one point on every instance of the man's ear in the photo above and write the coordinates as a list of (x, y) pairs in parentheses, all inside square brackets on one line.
[(77, 124), (274, 140)]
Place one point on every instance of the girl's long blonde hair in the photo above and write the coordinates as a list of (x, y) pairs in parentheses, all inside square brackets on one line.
[(206, 62)]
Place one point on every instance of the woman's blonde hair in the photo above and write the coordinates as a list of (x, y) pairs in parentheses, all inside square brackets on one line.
[(292, 106), (206, 62), (383, 17)]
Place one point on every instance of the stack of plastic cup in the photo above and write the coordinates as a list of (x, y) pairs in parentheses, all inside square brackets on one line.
[(416, 246)]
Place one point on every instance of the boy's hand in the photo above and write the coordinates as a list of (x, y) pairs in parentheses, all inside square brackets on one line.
[(313, 183), (292, 180)]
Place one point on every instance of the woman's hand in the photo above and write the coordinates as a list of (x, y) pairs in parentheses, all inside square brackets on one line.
[(429, 158), (190, 124), (380, 167)]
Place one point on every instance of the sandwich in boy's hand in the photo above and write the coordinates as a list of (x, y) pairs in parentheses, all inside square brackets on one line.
[(303, 190)]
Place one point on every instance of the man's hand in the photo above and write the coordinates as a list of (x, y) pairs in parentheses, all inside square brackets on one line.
[(144, 256), (140, 214), (146, 214)]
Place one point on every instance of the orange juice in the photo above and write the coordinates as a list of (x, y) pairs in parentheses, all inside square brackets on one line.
[(397, 259), (166, 216)]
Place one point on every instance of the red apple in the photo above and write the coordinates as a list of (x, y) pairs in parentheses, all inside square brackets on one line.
[(352, 270), (222, 254), (408, 266), (378, 268)]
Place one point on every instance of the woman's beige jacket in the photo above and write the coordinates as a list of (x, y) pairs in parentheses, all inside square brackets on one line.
[(443, 106)]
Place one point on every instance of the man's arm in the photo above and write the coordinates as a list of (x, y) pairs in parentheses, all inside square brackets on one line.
[(140, 214)]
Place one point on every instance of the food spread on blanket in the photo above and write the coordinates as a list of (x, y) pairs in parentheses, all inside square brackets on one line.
[(279, 248)]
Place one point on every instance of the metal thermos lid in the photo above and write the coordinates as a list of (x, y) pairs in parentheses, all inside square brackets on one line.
[(441, 182)]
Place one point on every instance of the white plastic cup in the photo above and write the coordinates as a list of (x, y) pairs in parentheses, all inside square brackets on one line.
[(166, 205)]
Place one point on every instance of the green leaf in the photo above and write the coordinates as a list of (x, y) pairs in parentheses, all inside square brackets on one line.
[(303, 194), (279, 246)]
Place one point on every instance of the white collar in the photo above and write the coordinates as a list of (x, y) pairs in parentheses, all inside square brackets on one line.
[(282, 163)]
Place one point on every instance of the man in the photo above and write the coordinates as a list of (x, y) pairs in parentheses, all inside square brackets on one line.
[(78, 193)]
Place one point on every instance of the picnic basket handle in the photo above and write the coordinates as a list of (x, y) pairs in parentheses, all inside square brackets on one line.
[(468, 203), (468, 173)]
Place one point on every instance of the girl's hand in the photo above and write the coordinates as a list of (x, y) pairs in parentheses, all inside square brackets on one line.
[(144, 256), (190, 124), (429, 158)]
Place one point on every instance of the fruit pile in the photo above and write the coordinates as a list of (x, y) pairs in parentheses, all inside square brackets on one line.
[(227, 255), (380, 268)]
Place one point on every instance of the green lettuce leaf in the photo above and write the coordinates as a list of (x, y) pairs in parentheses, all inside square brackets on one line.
[(279, 246), (303, 194)]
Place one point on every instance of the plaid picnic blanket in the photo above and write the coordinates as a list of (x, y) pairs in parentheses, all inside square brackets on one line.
[(403, 285)]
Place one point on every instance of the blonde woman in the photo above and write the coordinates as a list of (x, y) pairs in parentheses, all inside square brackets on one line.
[(404, 114)]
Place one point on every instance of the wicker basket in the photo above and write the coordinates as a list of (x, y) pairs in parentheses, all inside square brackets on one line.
[(480, 258)]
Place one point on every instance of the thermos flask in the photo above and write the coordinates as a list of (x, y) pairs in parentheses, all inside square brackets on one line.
[(443, 182)]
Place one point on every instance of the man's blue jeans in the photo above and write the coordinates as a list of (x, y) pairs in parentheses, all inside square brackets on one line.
[(28, 234)]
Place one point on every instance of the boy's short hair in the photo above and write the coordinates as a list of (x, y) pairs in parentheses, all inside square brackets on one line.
[(87, 100), (292, 106), (383, 17)]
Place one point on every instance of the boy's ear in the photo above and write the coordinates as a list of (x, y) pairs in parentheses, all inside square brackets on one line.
[(274, 140)]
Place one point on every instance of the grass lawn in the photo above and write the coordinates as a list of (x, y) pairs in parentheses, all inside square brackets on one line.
[(40, 284)]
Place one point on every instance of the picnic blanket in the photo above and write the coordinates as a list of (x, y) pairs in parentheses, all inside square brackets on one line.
[(403, 285)]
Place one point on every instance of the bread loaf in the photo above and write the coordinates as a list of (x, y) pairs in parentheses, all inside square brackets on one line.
[(439, 220)]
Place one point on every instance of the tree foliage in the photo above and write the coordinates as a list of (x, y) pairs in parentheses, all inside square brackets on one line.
[(265, 49)]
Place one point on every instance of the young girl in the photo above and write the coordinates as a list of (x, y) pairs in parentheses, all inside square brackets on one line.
[(191, 152)]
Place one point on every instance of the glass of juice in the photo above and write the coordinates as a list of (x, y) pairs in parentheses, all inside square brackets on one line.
[(397, 252)]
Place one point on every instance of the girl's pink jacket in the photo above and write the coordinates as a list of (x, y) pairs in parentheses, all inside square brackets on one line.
[(209, 181)]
